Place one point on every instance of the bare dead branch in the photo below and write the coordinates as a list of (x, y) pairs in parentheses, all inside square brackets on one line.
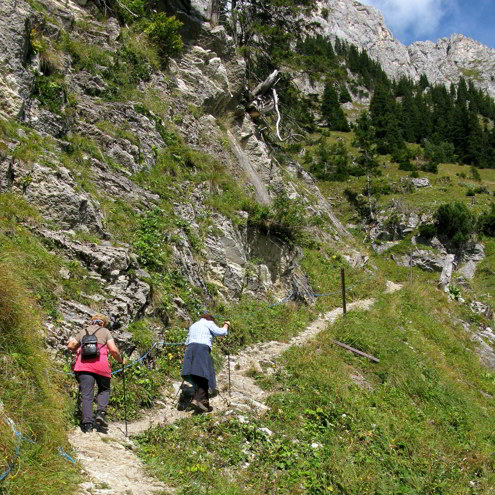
[(279, 118), (265, 85), (126, 8)]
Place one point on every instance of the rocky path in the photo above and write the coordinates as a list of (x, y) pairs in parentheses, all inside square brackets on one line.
[(108, 459)]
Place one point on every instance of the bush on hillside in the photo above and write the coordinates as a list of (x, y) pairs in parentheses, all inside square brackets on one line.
[(332, 162), (427, 230), (431, 166), (486, 222), (440, 153), (164, 31), (455, 222)]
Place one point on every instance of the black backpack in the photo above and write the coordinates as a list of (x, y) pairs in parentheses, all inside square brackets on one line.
[(89, 346)]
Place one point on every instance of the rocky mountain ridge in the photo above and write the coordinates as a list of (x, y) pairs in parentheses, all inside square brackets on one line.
[(443, 61)]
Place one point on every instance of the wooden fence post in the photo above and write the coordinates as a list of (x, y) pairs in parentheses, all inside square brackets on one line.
[(342, 283), (410, 267)]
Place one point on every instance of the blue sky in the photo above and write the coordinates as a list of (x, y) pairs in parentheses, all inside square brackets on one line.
[(415, 20)]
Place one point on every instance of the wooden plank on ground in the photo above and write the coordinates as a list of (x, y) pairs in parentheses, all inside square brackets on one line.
[(361, 353)]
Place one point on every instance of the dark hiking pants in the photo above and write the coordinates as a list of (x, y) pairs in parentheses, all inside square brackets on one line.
[(86, 386)]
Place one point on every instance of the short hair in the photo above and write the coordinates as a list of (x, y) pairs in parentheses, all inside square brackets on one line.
[(100, 317), (208, 316)]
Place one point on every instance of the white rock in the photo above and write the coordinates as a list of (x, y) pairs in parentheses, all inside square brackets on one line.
[(267, 431)]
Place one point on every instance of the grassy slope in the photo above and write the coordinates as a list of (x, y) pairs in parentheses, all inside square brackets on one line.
[(421, 424), (31, 396), (422, 421)]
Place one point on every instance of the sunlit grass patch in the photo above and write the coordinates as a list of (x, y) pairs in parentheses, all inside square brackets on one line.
[(415, 422), (29, 398)]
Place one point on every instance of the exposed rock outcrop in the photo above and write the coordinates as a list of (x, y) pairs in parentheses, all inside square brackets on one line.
[(443, 62)]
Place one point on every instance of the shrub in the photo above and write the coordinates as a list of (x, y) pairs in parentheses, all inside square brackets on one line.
[(407, 166), (126, 8), (164, 31), (359, 202), (149, 243), (474, 173), (331, 162), (481, 190), (427, 230), (455, 222), (486, 222), (440, 153), (431, 166), (50, 91)]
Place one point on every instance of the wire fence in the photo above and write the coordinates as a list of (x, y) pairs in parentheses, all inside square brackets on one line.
[(20, 437)]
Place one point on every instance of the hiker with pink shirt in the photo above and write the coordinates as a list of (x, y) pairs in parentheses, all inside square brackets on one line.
[(92, 346)]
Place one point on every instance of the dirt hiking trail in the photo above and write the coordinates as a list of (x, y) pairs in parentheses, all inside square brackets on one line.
[(108, 459)]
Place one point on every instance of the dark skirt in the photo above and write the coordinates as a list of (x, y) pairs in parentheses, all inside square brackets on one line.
[(198, 361)]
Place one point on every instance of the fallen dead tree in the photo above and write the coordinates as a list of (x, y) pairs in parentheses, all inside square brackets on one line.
[(263, 99)]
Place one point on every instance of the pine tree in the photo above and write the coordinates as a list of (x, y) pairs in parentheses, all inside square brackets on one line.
[(383, 114), (344, 96), (331, 111), (423, 82), (410, 118), (365, 141)]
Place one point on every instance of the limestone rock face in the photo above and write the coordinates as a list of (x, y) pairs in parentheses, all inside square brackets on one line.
[(443, 62), (16, 19), (208, 80), (450, 58), (396, 223), (364, 26), (54, 192)]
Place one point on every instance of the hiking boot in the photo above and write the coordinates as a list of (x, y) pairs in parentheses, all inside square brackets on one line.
[(101, 419), (199, 406), (87, 427)]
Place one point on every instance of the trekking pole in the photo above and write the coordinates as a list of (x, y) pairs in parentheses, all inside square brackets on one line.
[(228, 359), (125, 402)]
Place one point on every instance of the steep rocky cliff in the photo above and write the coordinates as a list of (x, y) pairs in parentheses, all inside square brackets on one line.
[(443, 62), (88, 148)]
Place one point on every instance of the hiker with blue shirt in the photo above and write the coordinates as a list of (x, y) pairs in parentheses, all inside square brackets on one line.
[(198, 364)]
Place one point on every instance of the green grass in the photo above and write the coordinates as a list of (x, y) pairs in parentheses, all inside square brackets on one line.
[(30, 397), (451, 183), (422, 424), (484, 281), (423, 428)]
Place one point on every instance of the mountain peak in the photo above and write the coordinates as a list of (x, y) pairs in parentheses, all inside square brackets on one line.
[(443, 61)]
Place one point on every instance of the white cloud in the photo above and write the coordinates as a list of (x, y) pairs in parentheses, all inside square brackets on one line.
[(414, 17)]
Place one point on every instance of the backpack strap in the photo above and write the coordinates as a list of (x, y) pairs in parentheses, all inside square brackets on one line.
[(94, 333)]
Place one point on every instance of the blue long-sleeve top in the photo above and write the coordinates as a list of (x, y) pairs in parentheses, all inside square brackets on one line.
[(203, 332)]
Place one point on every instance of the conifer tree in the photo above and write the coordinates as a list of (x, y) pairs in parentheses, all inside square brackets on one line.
[(365, 141), (344, 96), (383, 113), (331, 111), (423, 82)]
